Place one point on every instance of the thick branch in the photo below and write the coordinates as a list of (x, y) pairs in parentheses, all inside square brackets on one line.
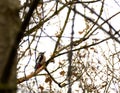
[(25, 78)]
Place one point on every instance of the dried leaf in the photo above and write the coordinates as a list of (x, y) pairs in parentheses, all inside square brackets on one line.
[(92, 48), (95, 39), (80, 32), (62, 73), (48, 79), (75, 74), (41, 87), (57, 34)]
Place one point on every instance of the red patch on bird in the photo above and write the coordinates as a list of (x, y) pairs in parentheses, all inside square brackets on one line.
[(37, 66)]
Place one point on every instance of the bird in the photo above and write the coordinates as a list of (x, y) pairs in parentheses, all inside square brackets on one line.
[(41, 59)]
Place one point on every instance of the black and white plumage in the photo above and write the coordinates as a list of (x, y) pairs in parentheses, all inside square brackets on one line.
[(41, 59)]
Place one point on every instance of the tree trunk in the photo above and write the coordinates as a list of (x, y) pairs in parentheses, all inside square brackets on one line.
[(9, 28)]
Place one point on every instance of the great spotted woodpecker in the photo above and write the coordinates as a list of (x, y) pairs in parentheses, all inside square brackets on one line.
[(40, 60)]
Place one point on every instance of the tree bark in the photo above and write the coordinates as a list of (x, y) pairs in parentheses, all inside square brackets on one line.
[(9, 28)]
